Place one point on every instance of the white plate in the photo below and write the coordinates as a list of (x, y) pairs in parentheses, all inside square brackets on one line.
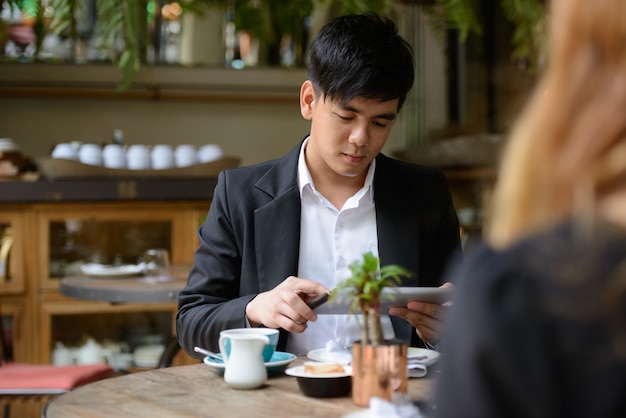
[(103, 270), (279, 361), (431, 355), (320, 354), (298, 371), (391, 296)]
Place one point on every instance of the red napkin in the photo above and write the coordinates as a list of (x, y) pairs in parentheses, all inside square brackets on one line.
[(41, 376)]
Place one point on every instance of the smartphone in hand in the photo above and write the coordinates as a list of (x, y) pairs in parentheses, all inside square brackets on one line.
[(319, 300)]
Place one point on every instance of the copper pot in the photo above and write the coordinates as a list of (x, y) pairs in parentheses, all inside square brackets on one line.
[(378, 370)]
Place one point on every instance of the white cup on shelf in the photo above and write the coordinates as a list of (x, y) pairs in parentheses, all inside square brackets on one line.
[(90, 154), (138, 157), (209, 152), (65, 150), (185, 155), (162, 156), (114, 156)]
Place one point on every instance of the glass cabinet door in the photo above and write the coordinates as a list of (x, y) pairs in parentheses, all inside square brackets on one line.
[(117, 234), (13, 330), (118, 328)]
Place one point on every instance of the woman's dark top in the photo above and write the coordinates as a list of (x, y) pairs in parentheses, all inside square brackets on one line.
[(539, 329)]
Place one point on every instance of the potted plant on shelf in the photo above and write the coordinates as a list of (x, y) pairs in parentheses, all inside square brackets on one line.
[(378, 365)]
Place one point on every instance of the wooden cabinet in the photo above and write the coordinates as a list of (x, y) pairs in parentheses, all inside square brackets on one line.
[(14, 306), (51, 240), (69, 235)]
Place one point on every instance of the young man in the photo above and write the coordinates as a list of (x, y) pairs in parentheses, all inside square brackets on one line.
[(282, 232)]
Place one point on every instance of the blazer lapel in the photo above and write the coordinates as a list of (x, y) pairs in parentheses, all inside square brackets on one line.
[(279, 219), (396, 223)]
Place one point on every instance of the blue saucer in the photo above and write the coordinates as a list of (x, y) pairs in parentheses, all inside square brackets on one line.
[(279, 361)]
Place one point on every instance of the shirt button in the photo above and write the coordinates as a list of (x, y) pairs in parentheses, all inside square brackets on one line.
[(341, 263)]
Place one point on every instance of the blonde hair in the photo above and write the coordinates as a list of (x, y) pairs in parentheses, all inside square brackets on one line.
[(568, 147)]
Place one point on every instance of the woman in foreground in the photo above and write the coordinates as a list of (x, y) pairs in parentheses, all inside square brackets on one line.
[(538, 327)]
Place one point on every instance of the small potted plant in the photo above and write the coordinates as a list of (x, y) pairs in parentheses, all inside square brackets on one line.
[(378, 365)]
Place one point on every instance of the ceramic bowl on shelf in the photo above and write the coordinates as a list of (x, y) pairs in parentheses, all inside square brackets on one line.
[(322, 385), (148, 356)]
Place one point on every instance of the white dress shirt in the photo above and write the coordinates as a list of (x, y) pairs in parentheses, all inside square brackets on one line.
[(330, 240)]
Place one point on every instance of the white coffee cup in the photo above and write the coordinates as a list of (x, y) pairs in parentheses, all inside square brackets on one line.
[(162, 156), (209, 152), (185, 155), (90, 154), (138, 157), (114, 156), (268, 349)]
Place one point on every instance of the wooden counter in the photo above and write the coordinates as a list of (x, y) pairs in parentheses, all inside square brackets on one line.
[(107, 190)]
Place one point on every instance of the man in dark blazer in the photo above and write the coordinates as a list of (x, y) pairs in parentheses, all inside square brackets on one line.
[(259, 246)]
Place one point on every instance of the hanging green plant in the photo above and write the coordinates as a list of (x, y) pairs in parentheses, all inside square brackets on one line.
[(122, 25), (126, 19), (526, 16)]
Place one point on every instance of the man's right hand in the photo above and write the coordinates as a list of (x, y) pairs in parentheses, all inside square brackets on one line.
[(285, 306)]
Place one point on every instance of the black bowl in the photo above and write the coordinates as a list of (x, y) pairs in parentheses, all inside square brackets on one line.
[(329, 385)]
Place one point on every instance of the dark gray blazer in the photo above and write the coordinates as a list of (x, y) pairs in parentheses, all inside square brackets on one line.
[(249, 242)]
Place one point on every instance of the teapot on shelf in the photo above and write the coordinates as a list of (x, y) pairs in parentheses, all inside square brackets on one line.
[(115, 353), (90, 353)]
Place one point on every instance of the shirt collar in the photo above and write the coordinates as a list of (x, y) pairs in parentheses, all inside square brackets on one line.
[(305, 179)]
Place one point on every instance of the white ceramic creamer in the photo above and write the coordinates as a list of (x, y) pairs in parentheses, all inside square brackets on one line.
[(244, 367)]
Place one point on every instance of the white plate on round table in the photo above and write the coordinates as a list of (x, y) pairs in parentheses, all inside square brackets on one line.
[(325, 356), (321, 354), (431, 355), (104, 270)]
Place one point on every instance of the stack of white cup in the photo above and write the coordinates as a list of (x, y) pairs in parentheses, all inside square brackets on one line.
[(138, 156)]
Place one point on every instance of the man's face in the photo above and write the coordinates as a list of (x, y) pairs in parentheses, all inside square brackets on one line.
[(346, 137)]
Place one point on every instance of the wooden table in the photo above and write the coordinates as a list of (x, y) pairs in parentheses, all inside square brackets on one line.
[(127, 289), (199, 391)]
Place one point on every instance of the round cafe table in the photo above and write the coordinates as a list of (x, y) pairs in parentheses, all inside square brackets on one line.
[(136, 289), (200, 391)]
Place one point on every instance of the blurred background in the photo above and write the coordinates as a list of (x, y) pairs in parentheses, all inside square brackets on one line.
[(228, 71)]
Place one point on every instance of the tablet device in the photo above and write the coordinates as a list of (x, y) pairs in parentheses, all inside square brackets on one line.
[(391, 296)]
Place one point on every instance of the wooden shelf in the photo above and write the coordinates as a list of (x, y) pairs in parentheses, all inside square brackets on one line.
[(173, 82)]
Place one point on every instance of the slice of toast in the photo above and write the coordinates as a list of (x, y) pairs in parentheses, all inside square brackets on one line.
[(323, 368)]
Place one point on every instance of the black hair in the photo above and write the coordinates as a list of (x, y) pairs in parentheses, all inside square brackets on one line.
[(361, 56)]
